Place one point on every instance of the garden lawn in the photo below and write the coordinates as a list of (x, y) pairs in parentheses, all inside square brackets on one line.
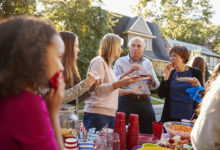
[(154, 102)]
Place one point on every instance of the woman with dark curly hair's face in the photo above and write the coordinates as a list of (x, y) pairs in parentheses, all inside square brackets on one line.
[(30, 57)]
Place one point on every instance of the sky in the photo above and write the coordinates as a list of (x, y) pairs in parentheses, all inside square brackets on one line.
[(124, 7)]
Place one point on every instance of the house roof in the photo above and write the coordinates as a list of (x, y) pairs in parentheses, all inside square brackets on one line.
[(159, 51), (191, 47), (151, 55), (120, 26), (158, 45), (130, 23), (138, 25)]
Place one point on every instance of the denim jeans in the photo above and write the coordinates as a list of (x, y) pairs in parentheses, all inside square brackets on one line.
[(142, 107), (97, 121)]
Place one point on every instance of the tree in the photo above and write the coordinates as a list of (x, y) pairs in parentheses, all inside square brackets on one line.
[(216, 41), (183, 20), (17, 7), (89, 22)]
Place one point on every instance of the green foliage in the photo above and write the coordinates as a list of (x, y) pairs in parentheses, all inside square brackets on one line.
[(216, 41), (125, 52), (17, 7), (183, 20), (89, 22), (81, 105)]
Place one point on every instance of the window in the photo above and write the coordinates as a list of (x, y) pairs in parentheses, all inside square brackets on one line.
[(147, 44), (215, 61), (208, 60), (211, 61)]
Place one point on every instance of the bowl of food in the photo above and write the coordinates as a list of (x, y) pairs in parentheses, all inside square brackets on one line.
[(178, 128)]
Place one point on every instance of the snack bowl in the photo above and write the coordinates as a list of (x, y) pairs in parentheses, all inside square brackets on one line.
[(181, 131)]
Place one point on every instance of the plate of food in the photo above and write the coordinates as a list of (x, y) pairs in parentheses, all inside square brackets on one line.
[(142, 76), (176, 142), (185, 79)]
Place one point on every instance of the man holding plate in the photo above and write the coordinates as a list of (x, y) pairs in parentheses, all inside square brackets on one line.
[(136, 64)]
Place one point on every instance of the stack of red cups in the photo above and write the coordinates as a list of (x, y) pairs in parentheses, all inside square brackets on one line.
[(121, 129), (133, 131)]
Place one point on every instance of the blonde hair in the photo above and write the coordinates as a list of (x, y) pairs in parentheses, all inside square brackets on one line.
[(109, 46)]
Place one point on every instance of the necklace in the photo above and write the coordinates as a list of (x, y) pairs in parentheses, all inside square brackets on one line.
[(181, 75)]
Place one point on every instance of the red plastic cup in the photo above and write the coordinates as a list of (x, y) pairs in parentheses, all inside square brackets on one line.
[(133, 131), (120, 129), (120, 122), (157, 129), (133, 124), (133, 140), (120, 116), (133, 118)]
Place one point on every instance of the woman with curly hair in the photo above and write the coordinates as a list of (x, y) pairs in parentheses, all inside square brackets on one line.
[(30, 56)]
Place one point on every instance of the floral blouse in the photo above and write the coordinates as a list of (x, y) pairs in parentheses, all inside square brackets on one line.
[(71, 93), (75, 91)]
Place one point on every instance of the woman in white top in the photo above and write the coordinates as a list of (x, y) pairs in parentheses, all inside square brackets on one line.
[(101, 108)]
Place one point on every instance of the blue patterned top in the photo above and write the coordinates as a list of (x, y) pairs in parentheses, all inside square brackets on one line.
[(181, 103)]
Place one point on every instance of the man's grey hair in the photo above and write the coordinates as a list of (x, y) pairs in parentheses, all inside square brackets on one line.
[(137, 38)]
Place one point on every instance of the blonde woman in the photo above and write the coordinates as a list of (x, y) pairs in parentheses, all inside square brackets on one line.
[(101, 108)]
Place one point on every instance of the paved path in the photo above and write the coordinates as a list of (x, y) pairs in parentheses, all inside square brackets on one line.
[(158, 108), (158, 111)]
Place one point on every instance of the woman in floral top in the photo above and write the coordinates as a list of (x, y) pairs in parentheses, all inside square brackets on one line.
[(75, 89)]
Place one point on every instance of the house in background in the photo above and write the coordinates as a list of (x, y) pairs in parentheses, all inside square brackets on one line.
[(155, 50), (211, 58)]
